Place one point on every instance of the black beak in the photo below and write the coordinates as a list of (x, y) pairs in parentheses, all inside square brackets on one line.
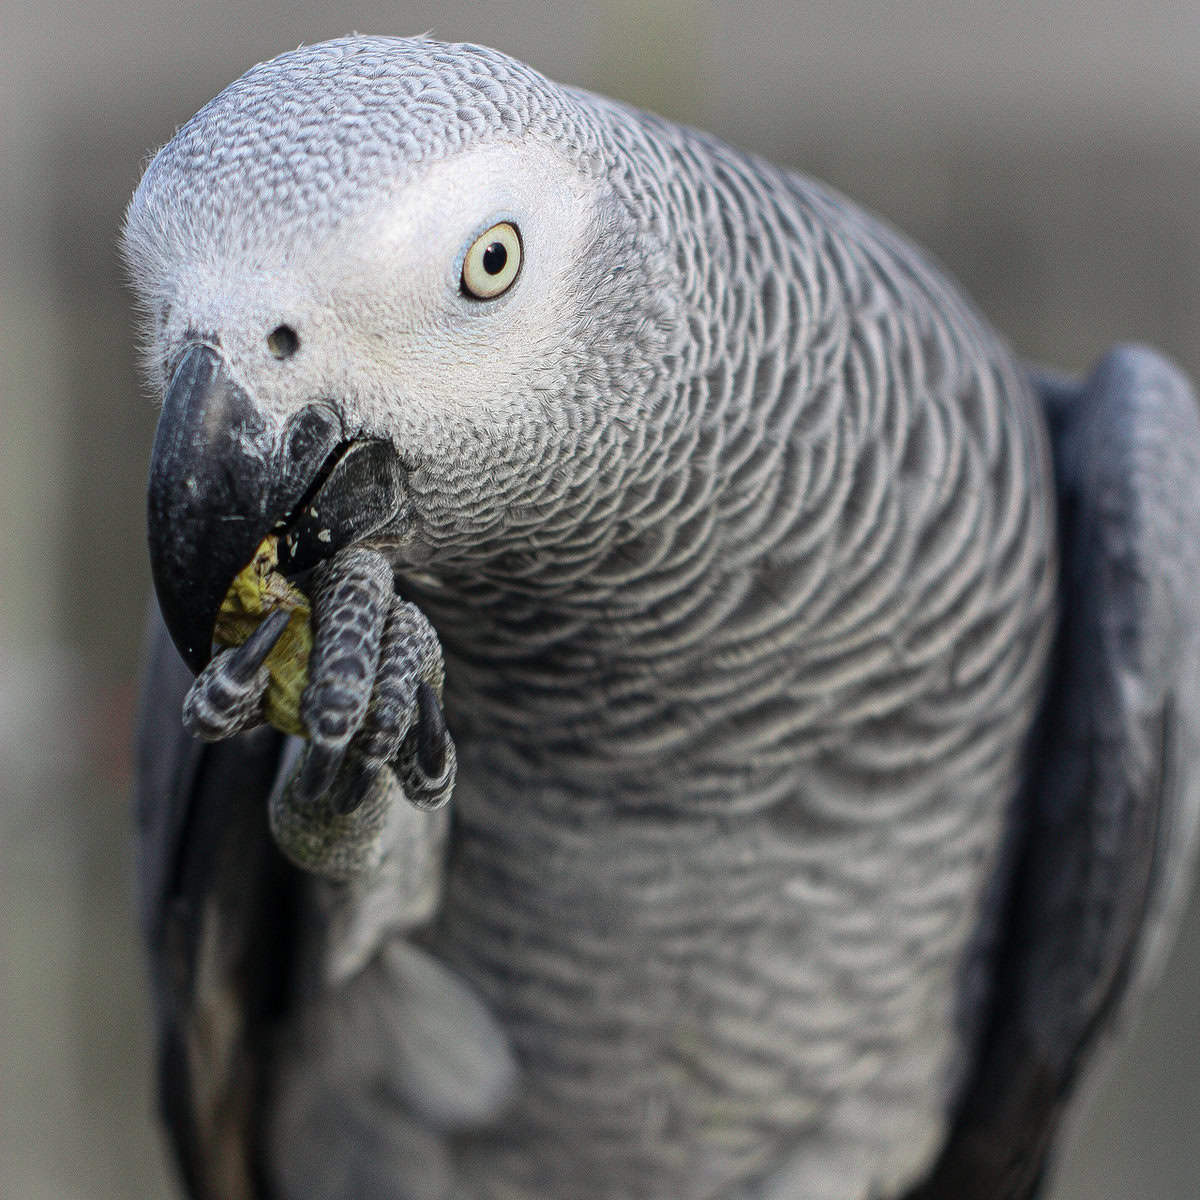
[(222, 477)]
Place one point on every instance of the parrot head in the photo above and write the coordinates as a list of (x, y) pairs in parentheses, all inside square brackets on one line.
[(390, 288)]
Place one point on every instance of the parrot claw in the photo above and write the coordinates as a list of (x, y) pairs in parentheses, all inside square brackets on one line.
[(432, 734), (405, 728), (428, 772), (374, 718), (227, 696), (252, 653), (317, 773), (349, 795), (425, 762)]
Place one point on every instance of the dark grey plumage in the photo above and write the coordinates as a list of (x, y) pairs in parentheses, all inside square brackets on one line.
[(1111, 794), (737, 527)]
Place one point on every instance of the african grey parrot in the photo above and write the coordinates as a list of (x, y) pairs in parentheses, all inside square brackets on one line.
[(817, 687)]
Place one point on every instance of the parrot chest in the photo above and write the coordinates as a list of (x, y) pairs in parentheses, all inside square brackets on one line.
[(692, 1000)]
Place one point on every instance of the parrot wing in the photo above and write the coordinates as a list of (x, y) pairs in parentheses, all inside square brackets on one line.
[(1103, 856), (217, 901), (305, 1044)]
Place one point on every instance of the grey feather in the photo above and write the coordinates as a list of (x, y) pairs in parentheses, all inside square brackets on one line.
[(1112, 798), (737, 525)]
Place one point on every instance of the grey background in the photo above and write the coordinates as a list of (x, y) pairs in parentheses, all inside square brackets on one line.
[(1049, 157)]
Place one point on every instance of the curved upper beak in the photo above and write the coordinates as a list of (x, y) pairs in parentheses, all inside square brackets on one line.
[(223, 476)]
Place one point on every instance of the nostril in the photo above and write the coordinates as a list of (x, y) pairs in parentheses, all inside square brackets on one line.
[(283, 341)]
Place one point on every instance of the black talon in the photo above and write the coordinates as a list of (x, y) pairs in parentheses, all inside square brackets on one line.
[(318, 773), (348, 798), (431, 732), (252, 653)]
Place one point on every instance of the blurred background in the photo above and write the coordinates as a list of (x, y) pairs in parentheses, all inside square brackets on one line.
[(1048, 154)]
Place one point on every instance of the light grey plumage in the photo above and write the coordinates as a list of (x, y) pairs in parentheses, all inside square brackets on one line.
[(737, 527)]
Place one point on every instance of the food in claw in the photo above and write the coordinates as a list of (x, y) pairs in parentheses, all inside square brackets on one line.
[(257, 590)]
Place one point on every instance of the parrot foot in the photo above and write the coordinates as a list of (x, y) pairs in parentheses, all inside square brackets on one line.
[(228, 694), (373, 713)]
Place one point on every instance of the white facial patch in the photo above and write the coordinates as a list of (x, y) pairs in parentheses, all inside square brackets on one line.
[(394, 282)]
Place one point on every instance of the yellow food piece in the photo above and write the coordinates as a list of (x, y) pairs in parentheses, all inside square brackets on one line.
[(258, 590)]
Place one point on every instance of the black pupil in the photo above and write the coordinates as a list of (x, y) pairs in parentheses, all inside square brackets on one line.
[(494, 258)]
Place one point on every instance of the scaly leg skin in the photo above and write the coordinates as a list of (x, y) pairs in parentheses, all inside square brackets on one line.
[(228, 694), (404, 726), (372, 710), (374, 719)]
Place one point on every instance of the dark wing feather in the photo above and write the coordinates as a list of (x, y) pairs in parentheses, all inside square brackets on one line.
[(281, 1073), (216, 903), (1113, 788)]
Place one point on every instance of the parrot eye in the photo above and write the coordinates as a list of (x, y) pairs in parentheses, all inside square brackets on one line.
[(492, 262), (283, 341)]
